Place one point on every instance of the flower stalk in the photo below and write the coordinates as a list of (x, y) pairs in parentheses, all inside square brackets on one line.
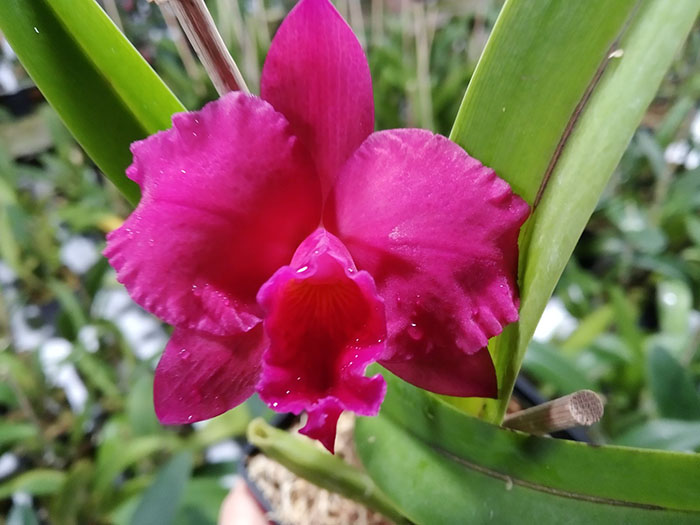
[(305, 460), (198, 25)]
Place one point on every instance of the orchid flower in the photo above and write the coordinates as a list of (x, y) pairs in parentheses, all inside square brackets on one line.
[(291, 246)]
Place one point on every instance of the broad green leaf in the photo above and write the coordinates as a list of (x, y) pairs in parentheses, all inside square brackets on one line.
[(672, 386), (665, 434), (105, 92), (37, 482), (162, 499), (439, 465), (537, 66), (552, 112)]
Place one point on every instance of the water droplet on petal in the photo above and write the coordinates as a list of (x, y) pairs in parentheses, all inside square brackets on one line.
[(414, 332), (302, 269), (275, 404)]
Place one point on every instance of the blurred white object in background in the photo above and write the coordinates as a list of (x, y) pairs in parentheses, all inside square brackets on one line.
[(556, 322)]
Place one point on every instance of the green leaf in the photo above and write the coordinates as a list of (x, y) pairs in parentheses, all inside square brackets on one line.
[(105, 92), (22, 514), (139, 406), (302, 457), (74, 496), (549, 365), (537, 66), (552, 114), (228, 425), (672, 387), (588, 330), (115, 455), (674, 302), (201, 502), (162, 499), (37, 482), (11, 433), (439, 465), (665, 434)]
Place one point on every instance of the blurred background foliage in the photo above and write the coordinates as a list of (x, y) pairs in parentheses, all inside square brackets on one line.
[(79, 442)]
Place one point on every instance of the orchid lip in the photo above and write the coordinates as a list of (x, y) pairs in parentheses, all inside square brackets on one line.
[(325, 324)]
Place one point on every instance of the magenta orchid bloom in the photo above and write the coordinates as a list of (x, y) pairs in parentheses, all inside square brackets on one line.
[(403, 248)]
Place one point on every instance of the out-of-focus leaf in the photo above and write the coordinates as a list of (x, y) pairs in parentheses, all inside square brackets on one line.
[(37, 482), (104, 91), (116, 455), (671, 385), (664, 434), (652, 151), (675, 302), (228, 425), (692, 224), (97, 373), (588, 329), (201, 502), (74, 494), (22, 514), (139, 407), (12, 432), (162, 499), (674, 119), (549, 365), (626, 319), (684, 195), (525, 97), (70, 305)]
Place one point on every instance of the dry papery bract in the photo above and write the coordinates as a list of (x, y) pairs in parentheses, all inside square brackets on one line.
[(295, 501)]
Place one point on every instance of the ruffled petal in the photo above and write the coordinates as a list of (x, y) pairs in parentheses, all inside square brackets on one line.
[(325, 323), (201, 376), (317, 75), (228, 194), (447, 371), (438, 232)]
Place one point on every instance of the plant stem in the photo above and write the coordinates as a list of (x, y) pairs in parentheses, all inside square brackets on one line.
[(201, 31), (186, 56), (301, 457)]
